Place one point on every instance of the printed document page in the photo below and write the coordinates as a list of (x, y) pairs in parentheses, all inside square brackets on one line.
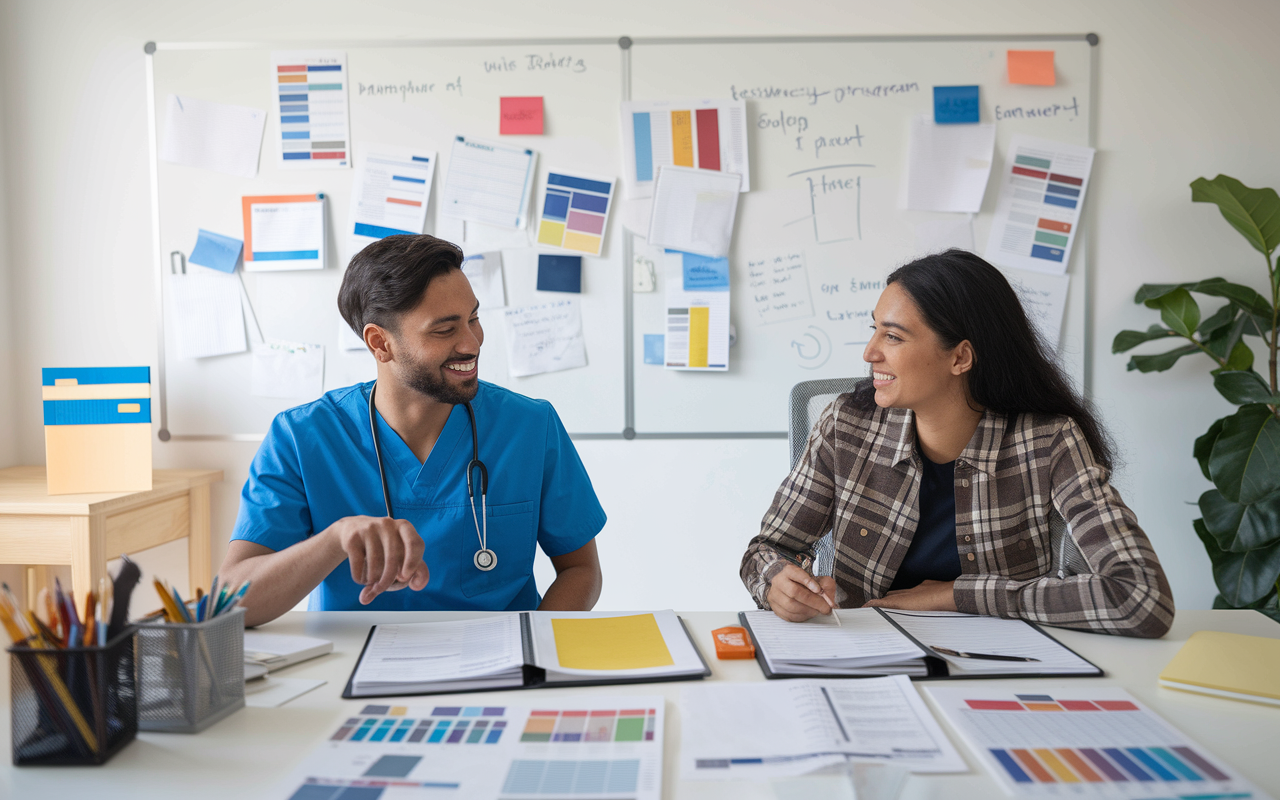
[(410, 656), (863, 639), (488, 182), (624, 644), (784, 728), (969, 633)]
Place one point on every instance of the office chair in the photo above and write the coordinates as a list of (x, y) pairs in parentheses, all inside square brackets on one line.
[(809, 398)]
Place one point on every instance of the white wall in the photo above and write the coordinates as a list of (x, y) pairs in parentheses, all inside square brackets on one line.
[(1185, 89)]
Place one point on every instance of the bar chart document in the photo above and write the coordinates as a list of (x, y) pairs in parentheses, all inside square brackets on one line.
[(488, 182), (309, 89), (1091, 741), (391, 193), (697, 328), (703, 134), (770, 730), (599, 747), (1038, 214)]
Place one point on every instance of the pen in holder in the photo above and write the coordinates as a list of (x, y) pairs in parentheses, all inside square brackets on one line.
[(74, 705), (190, 674)]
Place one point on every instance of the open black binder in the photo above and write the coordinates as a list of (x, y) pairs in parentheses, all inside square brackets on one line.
[(534, 677), (938, 668)]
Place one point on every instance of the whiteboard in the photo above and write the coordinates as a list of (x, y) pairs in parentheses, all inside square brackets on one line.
[(833, 111), (822, 112), (581, 83)]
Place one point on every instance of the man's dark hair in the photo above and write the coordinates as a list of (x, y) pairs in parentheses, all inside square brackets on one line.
[(388, 278)]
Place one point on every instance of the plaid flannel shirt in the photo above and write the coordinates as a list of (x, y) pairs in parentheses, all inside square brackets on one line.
[(860, 478)]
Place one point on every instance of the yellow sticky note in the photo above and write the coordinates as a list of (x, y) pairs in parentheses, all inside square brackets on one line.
[(550, 232), (1032, 67), (633, 642)]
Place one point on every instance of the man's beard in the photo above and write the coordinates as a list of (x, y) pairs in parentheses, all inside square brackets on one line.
[(427, 380)]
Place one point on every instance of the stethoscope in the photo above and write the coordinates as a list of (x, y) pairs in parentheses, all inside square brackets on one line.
[(484, 559)]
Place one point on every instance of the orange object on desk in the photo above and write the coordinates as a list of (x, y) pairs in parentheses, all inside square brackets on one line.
[(733, 642)]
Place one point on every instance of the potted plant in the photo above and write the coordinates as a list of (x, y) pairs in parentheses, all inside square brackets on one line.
[(1240, 516)]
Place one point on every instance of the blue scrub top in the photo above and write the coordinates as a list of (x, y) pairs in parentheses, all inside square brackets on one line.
[(317, 465)]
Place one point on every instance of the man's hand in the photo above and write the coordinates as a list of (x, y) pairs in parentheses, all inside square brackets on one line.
[(796, 596), (928, 596), (385, 554)]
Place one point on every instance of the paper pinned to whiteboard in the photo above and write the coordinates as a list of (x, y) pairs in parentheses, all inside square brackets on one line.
[(1044, 298), (484, 270), (390, 195), (207, 316), (546, 337), (489, 182), (287, 369), (694, 210), (214, 136), (705, 134), (948, 165)]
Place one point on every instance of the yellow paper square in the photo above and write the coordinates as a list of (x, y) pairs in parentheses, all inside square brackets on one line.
[(633, 642), (584, 242), (551, 233)]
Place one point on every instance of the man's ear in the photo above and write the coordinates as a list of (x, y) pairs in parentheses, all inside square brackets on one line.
[(380, 342), (962, 358)]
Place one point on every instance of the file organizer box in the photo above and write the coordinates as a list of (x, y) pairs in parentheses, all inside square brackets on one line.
[(190, 675), (100, 682), (97, 429)]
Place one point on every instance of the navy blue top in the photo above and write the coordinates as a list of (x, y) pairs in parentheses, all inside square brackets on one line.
[(933, 554)]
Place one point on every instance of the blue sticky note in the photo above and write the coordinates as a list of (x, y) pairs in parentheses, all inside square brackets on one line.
[(559, 273), (654, 348), (215, 251), (702, 273), (955, 104)]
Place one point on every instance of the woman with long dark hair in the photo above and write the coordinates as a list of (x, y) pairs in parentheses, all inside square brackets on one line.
[(942, 477)]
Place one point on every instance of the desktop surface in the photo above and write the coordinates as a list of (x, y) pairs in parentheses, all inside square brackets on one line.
[(250, 753)]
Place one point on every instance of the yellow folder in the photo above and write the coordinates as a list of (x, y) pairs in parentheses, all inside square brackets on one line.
[(1229, 665)]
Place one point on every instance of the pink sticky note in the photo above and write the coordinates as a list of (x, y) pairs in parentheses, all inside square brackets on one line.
[(1032, 67), (521, 115)]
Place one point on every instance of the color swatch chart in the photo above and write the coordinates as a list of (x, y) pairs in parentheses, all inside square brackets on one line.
[(575, 211), (593, 748), (1101, 743), (1038, 213), (311, 100), (703, 134), (598, 725), (446, 725)]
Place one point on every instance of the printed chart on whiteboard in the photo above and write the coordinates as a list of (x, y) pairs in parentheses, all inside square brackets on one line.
[(702, 134), (310, 88), (598, 747)]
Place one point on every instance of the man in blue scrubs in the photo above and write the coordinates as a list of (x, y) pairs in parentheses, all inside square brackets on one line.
[(313, 512)]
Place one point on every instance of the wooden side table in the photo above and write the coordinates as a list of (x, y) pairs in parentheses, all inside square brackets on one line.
[(85, 530)]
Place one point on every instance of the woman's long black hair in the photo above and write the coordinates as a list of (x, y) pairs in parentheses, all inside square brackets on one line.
[(963, 297)]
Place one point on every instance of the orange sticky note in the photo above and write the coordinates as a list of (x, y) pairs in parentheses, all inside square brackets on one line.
[(521, 115), (1031, 67)]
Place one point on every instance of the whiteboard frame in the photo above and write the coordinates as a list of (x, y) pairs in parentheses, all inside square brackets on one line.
[(624, 43)]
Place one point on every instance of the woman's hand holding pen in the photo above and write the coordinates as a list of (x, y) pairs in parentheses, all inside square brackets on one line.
[(385, 554), (796, 596)]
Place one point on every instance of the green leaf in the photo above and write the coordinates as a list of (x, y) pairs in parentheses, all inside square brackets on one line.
[(1178, 310), (1243, 386), (1223, 341), (1242, 578), (1162, 361), (1244, 298), (1245, 462), (1204, 446), (1253, 212), (1219, 320), (1241, 359), (1127, 340), (1239, 528)]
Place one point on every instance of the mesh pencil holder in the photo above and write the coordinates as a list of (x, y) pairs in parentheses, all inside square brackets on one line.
[(190, 675), (73, 706)]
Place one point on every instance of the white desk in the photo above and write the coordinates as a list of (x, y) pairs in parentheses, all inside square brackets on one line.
[(246, 755)]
